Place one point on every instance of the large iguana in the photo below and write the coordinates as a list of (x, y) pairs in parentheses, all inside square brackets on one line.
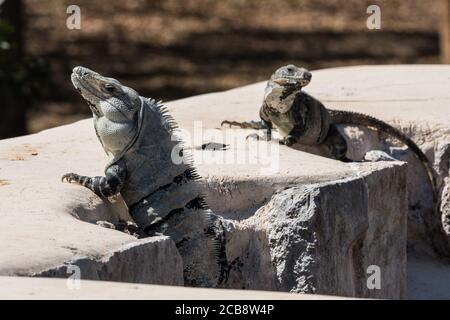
[(301, 118), (150, 171)]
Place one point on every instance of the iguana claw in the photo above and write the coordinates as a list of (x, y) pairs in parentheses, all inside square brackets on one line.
[(288, 141), (70, 177), (232, 123), (254, 136)]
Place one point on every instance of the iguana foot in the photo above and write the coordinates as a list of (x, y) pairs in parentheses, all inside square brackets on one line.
[(71, 178), (288, 141), (106, 224), (254, 136), (128, 227)]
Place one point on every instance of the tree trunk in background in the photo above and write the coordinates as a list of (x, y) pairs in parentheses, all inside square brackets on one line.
[(445, 32), (12, 105)]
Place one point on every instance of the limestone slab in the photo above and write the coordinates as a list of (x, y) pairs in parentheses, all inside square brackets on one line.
[(50, 289), (47, 224)]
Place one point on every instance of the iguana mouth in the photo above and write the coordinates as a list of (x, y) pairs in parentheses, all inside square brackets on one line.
[(78, 84), (291, 81)]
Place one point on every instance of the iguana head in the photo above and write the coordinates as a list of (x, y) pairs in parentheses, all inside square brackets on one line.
[(106, 96), (115, 108), (291, 76), (283, 86)]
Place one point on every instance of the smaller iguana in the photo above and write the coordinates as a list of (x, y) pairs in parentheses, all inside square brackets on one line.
[(301, 118), (152, 172)]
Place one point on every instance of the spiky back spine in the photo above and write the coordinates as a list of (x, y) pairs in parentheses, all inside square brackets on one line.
[(214, 229)]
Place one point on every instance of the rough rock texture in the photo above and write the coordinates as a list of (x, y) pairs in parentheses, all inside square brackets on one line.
[(413, 98), (416, 100), (428, 277), (298, 222), (146, 261), (321, 238), (47, 225), (52, 225)]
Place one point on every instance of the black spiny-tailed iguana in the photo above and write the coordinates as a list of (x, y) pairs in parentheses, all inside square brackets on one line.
[(300, 118), (163, 195)]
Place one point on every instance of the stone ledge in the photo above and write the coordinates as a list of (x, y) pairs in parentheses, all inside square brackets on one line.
[(45, 222), (51, 225), (45, 289), (321, 238), (413, 98), (153, 260)]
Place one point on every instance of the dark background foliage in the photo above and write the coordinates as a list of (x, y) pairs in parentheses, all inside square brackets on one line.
[(170, 49)]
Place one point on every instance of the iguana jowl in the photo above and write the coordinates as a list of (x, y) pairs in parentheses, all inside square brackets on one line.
[(301, 118), (163, 195)]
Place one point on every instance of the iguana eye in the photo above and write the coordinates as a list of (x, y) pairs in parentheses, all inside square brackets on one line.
[(109, 87)]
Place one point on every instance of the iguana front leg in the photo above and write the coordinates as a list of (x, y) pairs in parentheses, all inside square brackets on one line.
[(257, 125), (291, 138), (107, 186)]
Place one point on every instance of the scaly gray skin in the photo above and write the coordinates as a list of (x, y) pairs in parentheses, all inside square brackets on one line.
[(156, 180), (300, 118)]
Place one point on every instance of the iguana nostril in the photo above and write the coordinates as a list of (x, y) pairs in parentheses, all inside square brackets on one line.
[(80, 71), (77, 70)]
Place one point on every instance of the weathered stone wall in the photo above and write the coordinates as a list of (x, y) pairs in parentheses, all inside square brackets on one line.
[(314, 225), (321, 238), (153, 260)]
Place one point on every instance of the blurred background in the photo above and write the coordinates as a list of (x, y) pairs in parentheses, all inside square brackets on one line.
[(169, 49)]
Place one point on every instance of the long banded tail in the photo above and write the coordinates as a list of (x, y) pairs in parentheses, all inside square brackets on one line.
[(349, 117)]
